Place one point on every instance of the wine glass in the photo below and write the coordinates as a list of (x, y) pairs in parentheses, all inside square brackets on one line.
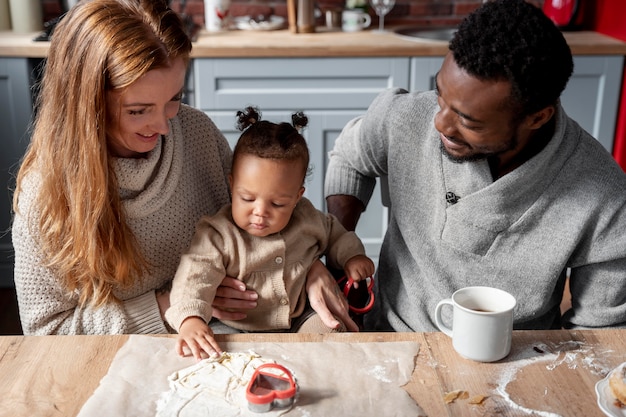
[(382, 7)]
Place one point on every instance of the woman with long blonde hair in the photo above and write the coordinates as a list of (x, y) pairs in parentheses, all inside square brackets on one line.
[(116, 176)]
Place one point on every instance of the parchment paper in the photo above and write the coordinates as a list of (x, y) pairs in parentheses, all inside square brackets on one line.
[(334, 379)]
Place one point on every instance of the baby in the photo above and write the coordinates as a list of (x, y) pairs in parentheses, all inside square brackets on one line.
[(268, 238)]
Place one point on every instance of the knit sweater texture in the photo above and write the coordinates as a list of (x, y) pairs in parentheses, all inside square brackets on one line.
[(563, 208), (274, 266), (164, 194)]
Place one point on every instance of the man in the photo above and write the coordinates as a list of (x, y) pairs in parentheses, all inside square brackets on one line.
[(490, 183)]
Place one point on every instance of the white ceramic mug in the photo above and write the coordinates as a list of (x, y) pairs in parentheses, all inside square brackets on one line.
[(482, 322), (26, 15), (354, 20), (215, 13)]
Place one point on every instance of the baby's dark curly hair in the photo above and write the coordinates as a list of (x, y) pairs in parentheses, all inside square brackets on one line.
[(515, 41), (269, 140)]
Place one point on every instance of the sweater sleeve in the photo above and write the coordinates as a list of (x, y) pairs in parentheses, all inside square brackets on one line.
[(45, 305), (200, 272), (598, 266), (360, 152), (143, 314), (47, 308)]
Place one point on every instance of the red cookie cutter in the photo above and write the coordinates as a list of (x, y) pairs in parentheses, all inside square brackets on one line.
[(357, 301), (271, 385)]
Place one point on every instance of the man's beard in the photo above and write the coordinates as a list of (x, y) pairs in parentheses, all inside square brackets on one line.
[(510, 144)]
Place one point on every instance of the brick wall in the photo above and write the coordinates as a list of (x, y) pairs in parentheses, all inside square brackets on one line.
[(427, 12), (405, 12)]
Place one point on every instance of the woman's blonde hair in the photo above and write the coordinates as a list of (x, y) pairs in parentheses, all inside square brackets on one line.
[(100, 45)]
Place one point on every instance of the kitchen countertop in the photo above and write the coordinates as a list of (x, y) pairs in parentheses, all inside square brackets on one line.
[(282, 43)]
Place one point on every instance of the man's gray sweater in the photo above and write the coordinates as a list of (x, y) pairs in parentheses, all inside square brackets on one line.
[(563, 208)]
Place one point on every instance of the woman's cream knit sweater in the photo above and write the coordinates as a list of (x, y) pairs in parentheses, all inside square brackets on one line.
[(164, 195)]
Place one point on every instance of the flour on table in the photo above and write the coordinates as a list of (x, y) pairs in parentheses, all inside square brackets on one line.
[(213, 386), (568, 353)]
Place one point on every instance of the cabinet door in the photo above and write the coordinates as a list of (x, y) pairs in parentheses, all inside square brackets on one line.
[(295, 83), (15, 111), (591, 96), (423, 72), (372, 225)]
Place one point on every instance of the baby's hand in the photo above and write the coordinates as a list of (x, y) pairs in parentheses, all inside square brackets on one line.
[(358, 268), (197, 336)]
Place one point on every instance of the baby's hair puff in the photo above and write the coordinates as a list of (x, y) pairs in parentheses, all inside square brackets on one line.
[(264, 139)]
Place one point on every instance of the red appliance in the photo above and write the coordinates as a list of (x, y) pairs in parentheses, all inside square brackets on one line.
[(608, 17), (566, 14)]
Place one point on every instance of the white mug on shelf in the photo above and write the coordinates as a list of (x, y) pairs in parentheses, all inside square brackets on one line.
[(26, 15), (482, 322), (215, 14), (5, 15), (354, 20)]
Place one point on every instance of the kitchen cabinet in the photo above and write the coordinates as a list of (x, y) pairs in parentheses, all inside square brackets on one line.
[(592, 95), (15, 113), (331, 91)]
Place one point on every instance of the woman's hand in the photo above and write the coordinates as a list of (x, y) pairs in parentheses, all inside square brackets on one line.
[(326, 298), (232, 295)]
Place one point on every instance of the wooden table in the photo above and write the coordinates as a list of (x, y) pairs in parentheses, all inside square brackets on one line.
[(548, 373)]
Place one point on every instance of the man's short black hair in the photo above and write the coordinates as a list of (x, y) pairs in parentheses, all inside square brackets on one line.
[(513, 40)]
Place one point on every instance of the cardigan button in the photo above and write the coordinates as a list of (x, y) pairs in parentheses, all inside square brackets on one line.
[(284, 301), (278, 260)]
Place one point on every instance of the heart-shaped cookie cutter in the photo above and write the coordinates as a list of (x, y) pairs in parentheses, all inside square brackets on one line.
[(271, 385)]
